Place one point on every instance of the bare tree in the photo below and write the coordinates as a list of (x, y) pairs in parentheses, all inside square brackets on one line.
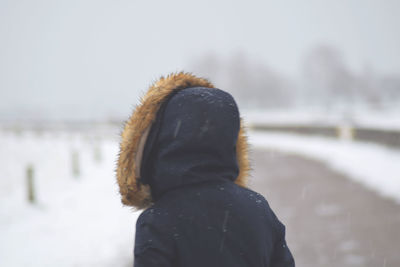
[(251, 82), (389, 86), (328, 80)]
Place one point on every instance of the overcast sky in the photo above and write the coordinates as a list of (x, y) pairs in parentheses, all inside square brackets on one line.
[(78, 59)]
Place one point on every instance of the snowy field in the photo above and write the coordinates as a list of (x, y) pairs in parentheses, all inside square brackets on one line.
[(363, 118), (78, 219)]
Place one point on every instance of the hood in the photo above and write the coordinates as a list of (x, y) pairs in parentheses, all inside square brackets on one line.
[(184, 131)]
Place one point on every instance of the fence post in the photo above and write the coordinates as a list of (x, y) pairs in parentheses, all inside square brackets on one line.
[(345, 132), (75, 164), (30, 184)]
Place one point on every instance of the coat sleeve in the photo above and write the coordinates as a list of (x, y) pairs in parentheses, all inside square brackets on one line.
[(153, 245), (282, 257)]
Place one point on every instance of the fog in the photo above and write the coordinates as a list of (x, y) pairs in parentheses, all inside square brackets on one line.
[(91, 60)]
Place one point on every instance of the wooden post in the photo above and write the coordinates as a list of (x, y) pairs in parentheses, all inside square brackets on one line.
[(30, 184), (75, 164), (345, 132)]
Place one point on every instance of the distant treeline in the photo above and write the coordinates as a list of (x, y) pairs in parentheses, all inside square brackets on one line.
[(326, 81)]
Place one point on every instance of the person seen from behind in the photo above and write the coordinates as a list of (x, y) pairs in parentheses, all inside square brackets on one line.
[(183, 159)]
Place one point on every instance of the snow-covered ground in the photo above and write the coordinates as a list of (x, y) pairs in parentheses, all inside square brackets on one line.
[(364, 118), (78, 220), (372, 165)]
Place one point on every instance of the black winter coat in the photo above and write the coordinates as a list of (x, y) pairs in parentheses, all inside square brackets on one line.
[(199, 214)]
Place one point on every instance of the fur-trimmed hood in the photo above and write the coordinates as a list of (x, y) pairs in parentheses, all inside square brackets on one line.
[(136, 131)]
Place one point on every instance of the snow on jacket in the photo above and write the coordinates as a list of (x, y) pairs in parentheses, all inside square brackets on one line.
[(183, 158)]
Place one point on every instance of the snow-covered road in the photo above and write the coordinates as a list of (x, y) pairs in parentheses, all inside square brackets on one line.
[(372, 165)]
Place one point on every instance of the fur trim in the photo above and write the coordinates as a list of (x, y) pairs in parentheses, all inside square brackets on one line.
[(135, 132)]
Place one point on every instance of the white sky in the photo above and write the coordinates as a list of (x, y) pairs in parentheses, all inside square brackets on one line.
[(87, 59)]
